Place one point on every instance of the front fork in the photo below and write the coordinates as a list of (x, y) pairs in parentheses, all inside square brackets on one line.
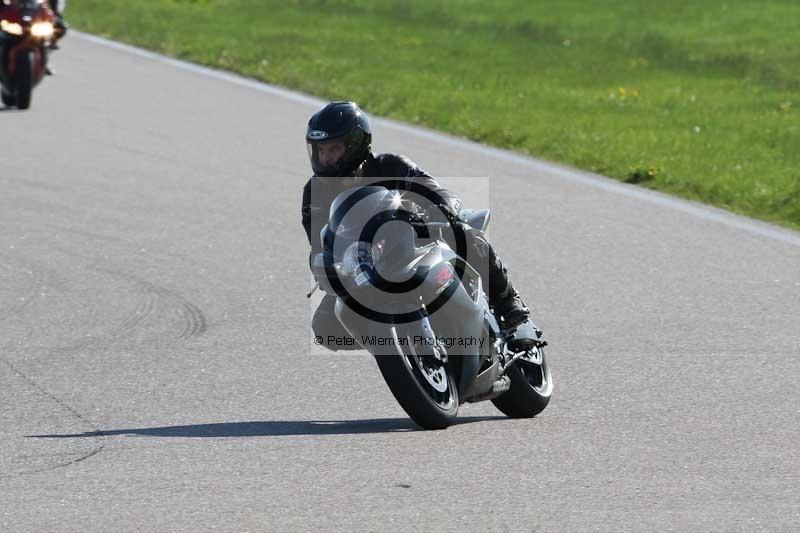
[(460, 317), (11, 55)]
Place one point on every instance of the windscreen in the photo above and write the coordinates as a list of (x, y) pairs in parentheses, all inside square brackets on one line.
[(369, 214)]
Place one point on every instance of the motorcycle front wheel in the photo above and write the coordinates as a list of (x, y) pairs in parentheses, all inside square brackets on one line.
[(422, 384), (23, 80), (7, 98)]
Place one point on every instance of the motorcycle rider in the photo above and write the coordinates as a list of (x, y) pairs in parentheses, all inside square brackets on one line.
[(339, 141), (58, 6)]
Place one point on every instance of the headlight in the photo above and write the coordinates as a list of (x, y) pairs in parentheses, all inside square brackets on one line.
[(42, 29), (11, 27), (377, 249), (357, 254)]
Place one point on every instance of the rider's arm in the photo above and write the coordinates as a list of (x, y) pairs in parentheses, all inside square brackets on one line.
[(305, 211), (450, 202), (308, 212), (398, 165)]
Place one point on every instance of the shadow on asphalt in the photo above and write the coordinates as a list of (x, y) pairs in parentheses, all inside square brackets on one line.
[(272, 428)]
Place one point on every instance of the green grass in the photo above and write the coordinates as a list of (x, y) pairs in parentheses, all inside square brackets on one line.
[(699, 99)]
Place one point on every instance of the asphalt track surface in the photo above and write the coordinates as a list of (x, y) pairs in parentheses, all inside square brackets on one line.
[(157, 374)]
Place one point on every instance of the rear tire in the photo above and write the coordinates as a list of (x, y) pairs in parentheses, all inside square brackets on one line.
[(404, 373), (531, 387), (23, 81)]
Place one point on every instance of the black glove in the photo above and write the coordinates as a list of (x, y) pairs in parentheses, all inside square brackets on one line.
[(445, 212)]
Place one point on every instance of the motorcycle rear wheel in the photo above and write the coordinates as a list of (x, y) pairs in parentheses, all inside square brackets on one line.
[(414, 381), (531, 387)]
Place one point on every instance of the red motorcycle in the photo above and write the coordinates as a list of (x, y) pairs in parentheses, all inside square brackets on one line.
[(27, 31)]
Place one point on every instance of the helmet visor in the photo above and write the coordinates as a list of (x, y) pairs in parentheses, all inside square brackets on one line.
[(327, 156)]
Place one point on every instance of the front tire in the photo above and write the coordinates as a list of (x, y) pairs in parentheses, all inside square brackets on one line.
[(7, 98), (23, 81), (531, 387), (427, 393)]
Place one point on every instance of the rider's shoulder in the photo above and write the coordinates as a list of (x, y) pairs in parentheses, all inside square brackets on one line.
[(397, 159), (396, 162)]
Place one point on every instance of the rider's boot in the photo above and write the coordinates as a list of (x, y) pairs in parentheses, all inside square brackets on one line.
[(61, 29), (61, 26), (515, 317), (506, 303), (509, 309)]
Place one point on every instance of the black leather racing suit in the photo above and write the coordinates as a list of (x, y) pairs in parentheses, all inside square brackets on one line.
[(57, 6), (317, 198)]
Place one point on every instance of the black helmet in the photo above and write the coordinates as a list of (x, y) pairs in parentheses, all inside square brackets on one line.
[(343, 122)]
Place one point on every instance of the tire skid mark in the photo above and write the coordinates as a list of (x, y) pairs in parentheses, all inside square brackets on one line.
[(143, 310), (97, 432), (153, 296), (144, 307), (193, 319), (193, 322)]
